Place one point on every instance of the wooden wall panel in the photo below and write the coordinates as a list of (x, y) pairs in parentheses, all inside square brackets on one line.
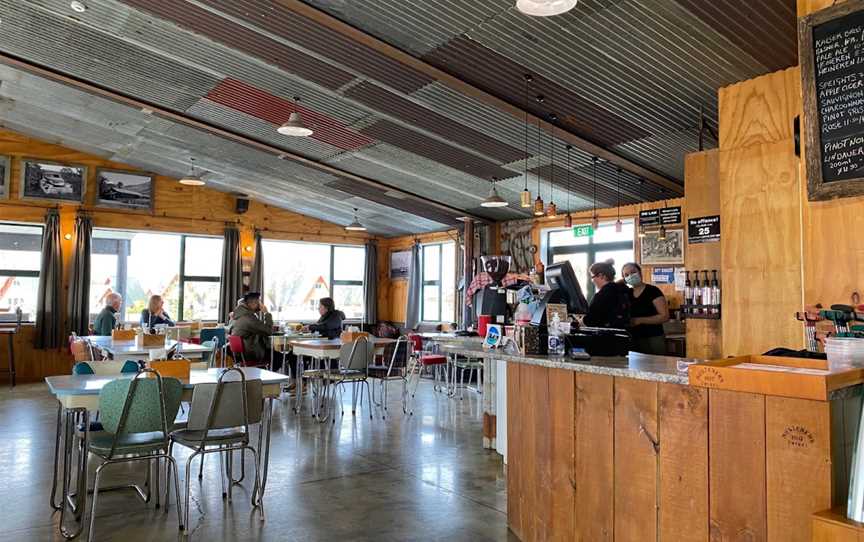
[(516, 466), (636, 451), (535, 381), (798, 465), (594, 451), (761, 248), (736, 451), (683, 430), (561, 399)]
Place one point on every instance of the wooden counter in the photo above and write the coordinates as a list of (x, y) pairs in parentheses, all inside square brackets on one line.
[(594, 457)]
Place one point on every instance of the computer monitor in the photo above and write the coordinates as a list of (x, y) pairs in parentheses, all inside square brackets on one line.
[(560, 276)]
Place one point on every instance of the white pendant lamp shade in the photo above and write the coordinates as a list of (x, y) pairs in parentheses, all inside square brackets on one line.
[(493, 199), (355, 225), (545, 8), (191, 179), (294, 127)]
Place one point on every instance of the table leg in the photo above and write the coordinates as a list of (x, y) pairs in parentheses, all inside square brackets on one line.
[(11, 359), (298, 384), (79, 506), (264, 447), (54, 504)]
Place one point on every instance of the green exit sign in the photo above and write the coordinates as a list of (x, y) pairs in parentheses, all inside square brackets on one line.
[(585, 230)]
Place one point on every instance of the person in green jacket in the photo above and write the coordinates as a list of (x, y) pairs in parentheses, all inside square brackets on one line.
[(106, 320)]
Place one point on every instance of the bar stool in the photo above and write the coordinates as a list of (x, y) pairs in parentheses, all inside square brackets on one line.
[(10, 333)]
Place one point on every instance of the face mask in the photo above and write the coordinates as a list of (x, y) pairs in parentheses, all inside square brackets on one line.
[(633, 280)]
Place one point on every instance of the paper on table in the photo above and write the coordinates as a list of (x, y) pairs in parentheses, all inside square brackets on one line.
[(782, 369)]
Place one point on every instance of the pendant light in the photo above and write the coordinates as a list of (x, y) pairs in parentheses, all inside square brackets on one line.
[(661, 233), (191, 179), (295, 127), (642, 232), (538, 203), (525, 198), (595, 223), (355, 225), (568, 220), (493, 199), (552, 210), (545, 8), (619, 226)]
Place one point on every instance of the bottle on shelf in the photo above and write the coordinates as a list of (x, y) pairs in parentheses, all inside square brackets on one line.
[(688, 292), (715, 294), (706, 294), (696, 294)]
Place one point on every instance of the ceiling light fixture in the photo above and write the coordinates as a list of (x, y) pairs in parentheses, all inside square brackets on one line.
[(192, 179), (355, 225), (552, 210), (619, 226), (595, 222), (78, 6), (493, 199), (525, 198), (295, 127), (545, 8), (568, 220), (538, 203)]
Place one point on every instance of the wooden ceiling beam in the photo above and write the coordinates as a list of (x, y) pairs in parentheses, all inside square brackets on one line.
[(180, 118), (325, 19)]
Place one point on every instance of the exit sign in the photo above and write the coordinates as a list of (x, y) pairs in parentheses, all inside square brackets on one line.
[(585, 230)]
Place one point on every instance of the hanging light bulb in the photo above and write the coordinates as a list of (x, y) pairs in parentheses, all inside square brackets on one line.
[(568, 221), (552, 210), (525, 198), (191, 179), (595, 223), (355, 225), (538, 203), (545, 8), (619, 226), (641, 232), (493, 199), (661, 233), (295, 127), (538, 206)]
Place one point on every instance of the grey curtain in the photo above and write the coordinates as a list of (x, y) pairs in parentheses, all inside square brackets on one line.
[(370, 284), (415, 288), (49, 331), (460, 279), (231, 284), (78, 304), (256, 280)]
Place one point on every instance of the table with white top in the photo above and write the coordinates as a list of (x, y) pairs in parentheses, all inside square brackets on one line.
[(78, 396), (123, 350)]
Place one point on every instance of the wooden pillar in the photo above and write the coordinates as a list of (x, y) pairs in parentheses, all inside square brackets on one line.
[(468, 269)]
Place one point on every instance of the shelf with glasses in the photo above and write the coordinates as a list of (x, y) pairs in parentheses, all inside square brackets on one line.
[(701, 312)]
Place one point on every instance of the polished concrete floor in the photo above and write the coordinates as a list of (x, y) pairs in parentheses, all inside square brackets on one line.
[(420, 477)]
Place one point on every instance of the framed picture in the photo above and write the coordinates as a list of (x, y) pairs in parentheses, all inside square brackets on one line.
[(126, 189), (5, 184), (400, 265), (52, 181), (656, 251)]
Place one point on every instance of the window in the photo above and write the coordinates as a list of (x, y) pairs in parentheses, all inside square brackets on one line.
[(20, 256), (438, 300), (581, 252), (183, 269), (297, 275)]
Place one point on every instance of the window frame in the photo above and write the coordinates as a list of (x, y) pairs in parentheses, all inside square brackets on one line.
[(21, 272), (590, 249), (439, 282)]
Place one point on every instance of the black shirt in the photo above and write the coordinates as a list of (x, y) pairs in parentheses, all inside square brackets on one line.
[(149, 322), (329, 325), (643, 306), (610, 307)]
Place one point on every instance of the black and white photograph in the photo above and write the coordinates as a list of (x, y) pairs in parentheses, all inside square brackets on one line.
[(656, 251), (5, 170), (400, 264), (50, 180), (124, 189)]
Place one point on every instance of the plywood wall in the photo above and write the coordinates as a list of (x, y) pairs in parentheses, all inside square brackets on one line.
[(178, 208)]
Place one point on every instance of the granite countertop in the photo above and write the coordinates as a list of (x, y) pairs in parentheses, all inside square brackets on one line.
[(450, 338), (638, 366)]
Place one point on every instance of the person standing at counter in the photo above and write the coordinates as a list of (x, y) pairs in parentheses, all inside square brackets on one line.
[(648, 312), (155, 314), (106, 320), (610, 306)]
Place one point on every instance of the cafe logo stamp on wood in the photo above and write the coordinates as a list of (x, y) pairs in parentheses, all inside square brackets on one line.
[(709, 376), (798, 436)]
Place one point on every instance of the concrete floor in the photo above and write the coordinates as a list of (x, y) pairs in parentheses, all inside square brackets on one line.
[(424, 477)]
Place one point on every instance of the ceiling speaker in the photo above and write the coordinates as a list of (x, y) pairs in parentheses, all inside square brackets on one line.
[(242, 205)]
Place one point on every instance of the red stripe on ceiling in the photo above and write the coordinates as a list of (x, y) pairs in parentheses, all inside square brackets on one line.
[(253, 101)]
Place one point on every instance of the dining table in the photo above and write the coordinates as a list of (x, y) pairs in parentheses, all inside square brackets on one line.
[(78, 397), (134, 350)]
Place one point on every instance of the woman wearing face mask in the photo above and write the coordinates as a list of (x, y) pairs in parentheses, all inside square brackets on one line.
[(648, 312)]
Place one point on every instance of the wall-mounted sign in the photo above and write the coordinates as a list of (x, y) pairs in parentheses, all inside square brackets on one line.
[(656, 217), (663, 275), (585, 230), (704, 229), (831, 43)]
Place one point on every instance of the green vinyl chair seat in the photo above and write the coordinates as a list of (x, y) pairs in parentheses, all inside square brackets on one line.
[(127, 444), (215, 437)]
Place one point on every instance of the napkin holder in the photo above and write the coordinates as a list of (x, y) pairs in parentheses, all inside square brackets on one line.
[(351, 336), (122, 334), (148, 340), (172, 368)]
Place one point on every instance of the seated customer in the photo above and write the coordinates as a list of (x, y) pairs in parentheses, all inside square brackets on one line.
[(330, 323), (251, 321), (106, 320), (154, 314), (610, 306), (648, 312)]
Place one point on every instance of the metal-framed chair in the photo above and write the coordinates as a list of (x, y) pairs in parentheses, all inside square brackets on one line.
[(474, 367), (399, 354), (107, 367), (135, 415), (215, 334), (427, 360), (219, 421), (354, 361)]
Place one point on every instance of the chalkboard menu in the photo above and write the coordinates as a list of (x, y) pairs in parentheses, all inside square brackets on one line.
[(656, 217), (831, 43)]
